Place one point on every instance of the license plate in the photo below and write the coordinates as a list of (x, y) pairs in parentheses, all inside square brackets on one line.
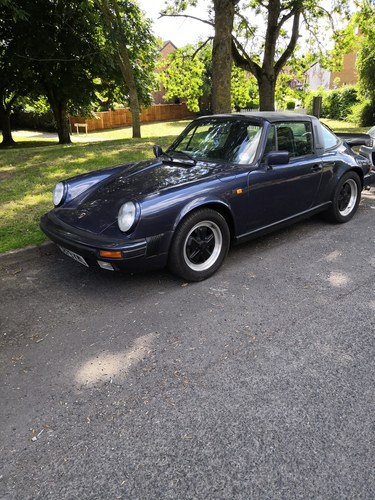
[(73, 256)]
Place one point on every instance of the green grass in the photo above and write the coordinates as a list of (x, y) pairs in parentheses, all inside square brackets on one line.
[(28, 174), (29, 171), (341, 126)]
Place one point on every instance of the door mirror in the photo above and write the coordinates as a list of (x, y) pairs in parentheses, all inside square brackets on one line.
[(158, 151), (277, 158)]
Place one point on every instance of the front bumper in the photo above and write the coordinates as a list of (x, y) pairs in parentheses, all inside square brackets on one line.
[(137, 255), (369, 179)]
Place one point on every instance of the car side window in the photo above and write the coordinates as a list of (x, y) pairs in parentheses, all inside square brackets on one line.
[(329, 139), (295, 137)]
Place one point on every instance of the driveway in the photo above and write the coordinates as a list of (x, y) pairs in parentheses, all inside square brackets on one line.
[(257, 383)]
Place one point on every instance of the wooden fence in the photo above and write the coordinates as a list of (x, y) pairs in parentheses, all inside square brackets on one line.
[(122, 117)]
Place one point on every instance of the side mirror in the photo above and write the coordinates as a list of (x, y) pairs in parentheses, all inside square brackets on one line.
[(277, 158), (158, 151)]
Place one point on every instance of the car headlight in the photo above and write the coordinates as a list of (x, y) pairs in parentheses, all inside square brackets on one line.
[(126, 216), (59, 193)]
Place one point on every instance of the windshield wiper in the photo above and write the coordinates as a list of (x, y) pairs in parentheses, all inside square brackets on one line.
[(186, 155), (167, 155)]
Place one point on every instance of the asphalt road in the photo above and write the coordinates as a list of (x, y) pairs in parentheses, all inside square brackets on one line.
[(257, 383)]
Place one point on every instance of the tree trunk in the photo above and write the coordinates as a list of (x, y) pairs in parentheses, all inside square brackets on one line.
[(112, 18), (267, 85), (128, 76), (62, 121), (6, 128), (222, 56)]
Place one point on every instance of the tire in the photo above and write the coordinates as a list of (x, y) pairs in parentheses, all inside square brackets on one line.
[(200, 245), (346, 198)]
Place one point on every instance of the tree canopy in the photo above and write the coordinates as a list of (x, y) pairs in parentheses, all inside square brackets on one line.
[(65, 51), (187, 74), (263, 35), (133, 50), (365, 21)]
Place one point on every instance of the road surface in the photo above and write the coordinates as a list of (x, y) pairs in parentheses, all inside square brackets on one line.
[(257, 383)]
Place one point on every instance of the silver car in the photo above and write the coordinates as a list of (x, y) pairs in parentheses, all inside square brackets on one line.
[(368, 150)]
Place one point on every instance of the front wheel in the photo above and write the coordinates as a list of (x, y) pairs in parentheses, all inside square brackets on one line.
[(346, 198), (200, 245)]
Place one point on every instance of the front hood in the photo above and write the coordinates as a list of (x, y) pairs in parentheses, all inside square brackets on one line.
[(97, 209)]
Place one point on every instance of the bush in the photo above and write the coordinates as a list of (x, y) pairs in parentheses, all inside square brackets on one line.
[(340, 101), (308, 101), (290, 105), (363, 113), (336, 104), (33, 120)]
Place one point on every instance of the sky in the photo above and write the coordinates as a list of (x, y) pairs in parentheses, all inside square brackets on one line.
[(178, 30), (182, 31)]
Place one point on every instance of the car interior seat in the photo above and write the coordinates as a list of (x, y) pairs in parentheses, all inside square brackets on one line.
[(285, 140)]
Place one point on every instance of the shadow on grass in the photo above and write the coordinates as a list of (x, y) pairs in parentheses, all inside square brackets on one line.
[(28, 144)]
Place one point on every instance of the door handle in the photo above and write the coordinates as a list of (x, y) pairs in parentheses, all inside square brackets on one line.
[(316, 167)]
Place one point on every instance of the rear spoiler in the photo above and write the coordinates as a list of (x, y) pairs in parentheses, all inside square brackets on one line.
[(356, 139)]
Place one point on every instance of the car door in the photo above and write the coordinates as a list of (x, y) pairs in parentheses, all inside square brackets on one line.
[(282, 191)]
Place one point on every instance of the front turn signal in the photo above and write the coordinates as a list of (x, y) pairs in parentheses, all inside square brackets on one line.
[(111, 254)]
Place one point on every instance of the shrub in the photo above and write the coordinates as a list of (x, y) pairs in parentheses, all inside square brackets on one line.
[(34, 120), (290, 105), (363, 113), (336, 104), (340, 101), (308, 101)]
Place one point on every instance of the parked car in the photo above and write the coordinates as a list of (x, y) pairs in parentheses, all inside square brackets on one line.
[(368, 149), (225, 179)]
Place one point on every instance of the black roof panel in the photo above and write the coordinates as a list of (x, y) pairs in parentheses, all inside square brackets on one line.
[(268, 116)]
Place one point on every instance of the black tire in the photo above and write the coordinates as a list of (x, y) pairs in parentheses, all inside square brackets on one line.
[(200, 245), (346, 198)]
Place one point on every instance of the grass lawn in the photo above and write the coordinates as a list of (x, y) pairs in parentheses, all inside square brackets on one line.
[(29, 171), (341, 126)]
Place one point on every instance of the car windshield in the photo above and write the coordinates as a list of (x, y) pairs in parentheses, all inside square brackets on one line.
[(233, 140)]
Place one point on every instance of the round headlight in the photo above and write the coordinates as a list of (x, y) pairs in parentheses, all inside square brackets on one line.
[(126, 216), (59, 194)]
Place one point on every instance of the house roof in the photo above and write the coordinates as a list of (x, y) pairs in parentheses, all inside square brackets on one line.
[(168, 42)]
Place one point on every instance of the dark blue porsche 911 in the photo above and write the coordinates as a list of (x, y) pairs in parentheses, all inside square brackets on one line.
[(225, 179)]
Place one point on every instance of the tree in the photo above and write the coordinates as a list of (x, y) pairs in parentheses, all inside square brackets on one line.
[(222, 21), (58, 47), (183, 76), (14, 73), (9, 93), (8, 83), (282, 20), (243, 89), (133, 49), (365, 21), (187, 74), (63, 50), (222, 55)]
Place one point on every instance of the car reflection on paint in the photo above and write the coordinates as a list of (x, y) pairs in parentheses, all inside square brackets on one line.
[(225, 179)]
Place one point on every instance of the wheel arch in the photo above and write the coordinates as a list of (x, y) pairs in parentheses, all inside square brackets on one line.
[(219, 206), (359, 172)]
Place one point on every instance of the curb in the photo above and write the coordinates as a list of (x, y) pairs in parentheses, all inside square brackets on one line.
[(24, 254)]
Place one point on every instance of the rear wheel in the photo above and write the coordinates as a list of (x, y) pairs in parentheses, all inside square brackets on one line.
[(346, 198), (200, 245)]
